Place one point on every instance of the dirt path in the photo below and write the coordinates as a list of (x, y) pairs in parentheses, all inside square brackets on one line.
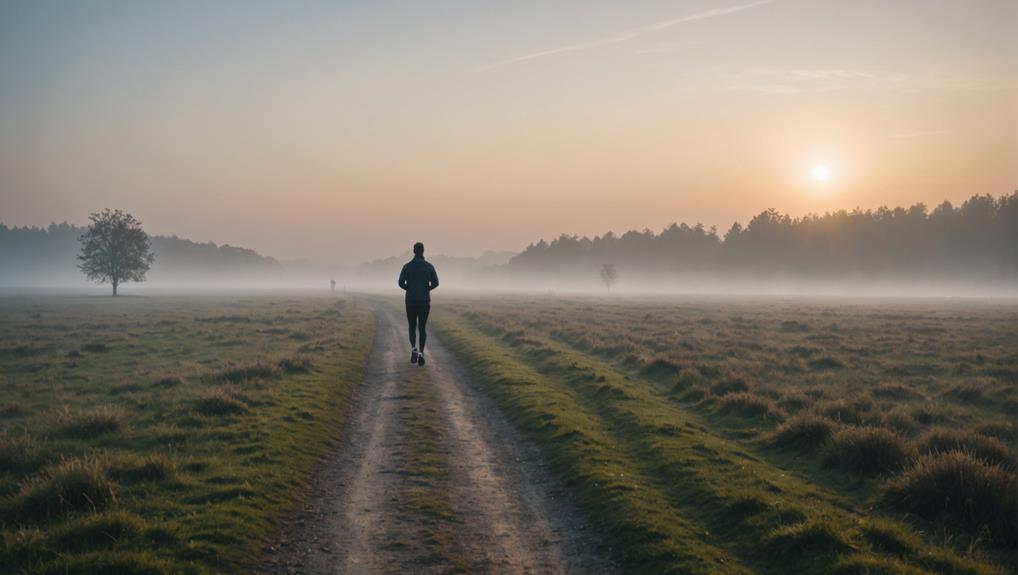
[(509, 515)]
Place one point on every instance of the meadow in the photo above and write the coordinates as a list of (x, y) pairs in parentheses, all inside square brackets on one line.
[(725, 435), (165, 434), (173, 434)]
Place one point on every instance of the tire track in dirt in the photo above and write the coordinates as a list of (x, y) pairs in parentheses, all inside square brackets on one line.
[(511, 515)]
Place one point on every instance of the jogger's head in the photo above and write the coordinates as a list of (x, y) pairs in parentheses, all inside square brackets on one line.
[(418, 249)]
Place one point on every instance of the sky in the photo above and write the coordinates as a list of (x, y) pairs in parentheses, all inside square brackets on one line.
[(344, 131)]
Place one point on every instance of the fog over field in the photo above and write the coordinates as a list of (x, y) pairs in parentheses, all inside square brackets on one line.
[(966, 251), (710, 287)]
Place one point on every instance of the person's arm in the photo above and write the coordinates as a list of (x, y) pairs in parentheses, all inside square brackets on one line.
[(402, 278), (434, 278)]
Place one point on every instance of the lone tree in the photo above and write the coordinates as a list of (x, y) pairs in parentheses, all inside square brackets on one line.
[(609, 275), (115, 249)]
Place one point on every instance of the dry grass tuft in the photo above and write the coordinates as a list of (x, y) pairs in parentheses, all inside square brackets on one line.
[(98, 421), (154, 467), (959, 488), (806, 430), (73, 485), (989, 449), (748, 405), (869, 450), (220, 402), (20, 453)]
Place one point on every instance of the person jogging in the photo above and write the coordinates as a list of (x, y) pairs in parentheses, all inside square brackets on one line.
[(418, 278)]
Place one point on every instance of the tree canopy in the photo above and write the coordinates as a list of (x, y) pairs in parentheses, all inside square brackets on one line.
[(976, 240), (115, 249)]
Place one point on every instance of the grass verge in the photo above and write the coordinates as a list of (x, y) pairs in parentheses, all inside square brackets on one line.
[(163, 443), (667, 493), (424, 462)]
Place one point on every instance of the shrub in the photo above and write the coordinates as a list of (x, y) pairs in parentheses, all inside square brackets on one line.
[(805, 430), (99, 421), (868, 449), (957, 487), (220, 402), (989, 449), (748, 405), (71, 485)]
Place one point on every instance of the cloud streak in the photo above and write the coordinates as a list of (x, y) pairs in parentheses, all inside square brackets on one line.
[(777, 81), (625, 35), (669, 47)]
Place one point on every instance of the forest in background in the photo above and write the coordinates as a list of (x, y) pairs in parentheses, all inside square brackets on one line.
[(35, 256), (975, 243), (972, 247)]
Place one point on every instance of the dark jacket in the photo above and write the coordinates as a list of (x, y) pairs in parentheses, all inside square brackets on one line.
[(418, 278)]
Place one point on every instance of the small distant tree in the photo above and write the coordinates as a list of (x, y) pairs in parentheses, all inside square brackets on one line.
[(609, 275), (115, 249)]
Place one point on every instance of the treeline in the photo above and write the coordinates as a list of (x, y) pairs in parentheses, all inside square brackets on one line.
[(31, 256), (452, 270), (975, 242)]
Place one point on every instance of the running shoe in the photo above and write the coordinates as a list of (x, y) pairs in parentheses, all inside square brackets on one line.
[(420, 358), (413, 355)]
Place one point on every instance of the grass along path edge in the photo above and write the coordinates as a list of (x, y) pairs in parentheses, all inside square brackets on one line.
[(423, 499), (218, 461), (671, 495)]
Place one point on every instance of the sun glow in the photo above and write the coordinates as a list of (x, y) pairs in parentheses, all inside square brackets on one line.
[(821, 172)]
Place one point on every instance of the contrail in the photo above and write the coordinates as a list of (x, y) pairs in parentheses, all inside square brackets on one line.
[(626, 34)]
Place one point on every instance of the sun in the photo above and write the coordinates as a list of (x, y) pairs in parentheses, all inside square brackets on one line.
[(821, 172)]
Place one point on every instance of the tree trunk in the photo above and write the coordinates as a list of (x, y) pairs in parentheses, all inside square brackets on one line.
[(114, 289)]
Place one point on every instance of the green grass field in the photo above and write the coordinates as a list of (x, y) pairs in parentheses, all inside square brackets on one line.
[(165, 434), (170, 434), (735, 436)]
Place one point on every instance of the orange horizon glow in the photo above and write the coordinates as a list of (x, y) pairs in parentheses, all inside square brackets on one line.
[(344, 133)]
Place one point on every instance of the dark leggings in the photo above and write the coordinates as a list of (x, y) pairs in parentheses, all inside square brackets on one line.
[(417, 317)]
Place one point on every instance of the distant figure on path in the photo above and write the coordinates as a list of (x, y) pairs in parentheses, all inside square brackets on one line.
[(418, 278), (333, 284)]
